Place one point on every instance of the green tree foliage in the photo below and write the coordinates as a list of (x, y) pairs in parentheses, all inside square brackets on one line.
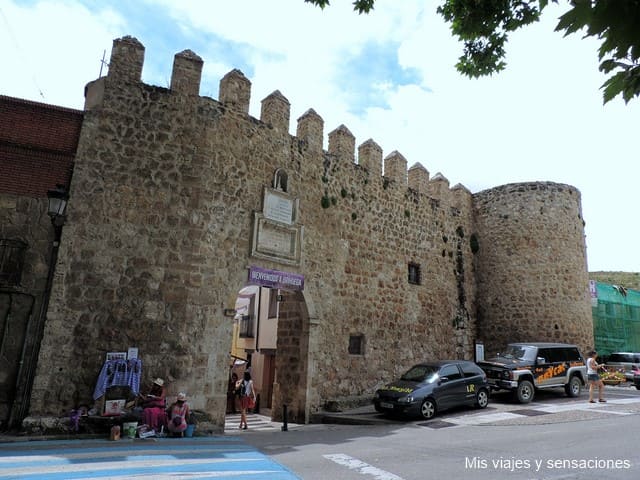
[(484, 26)]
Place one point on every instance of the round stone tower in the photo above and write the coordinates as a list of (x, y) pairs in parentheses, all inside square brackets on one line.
[(531, 266)]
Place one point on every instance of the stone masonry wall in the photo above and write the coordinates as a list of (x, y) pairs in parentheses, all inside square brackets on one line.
[(24, 219), (532, 269), (159, 234)]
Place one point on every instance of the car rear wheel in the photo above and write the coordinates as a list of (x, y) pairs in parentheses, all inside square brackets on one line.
[(525, 391), (482, 398), (428, 408), (574, 386)]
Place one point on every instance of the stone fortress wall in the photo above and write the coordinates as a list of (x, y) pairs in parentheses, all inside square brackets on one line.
[(532, 262), (163, 202)]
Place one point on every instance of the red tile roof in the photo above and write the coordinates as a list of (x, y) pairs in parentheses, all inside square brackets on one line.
[(38, 143)]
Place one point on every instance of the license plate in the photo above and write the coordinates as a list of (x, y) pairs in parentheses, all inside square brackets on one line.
[(386, 405)]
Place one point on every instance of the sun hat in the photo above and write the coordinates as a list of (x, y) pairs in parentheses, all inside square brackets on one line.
[(182, 396), (158, 381)]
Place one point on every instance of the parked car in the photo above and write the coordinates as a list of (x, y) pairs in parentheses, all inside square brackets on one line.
[(624, 362), (525, 367), (431, 387)]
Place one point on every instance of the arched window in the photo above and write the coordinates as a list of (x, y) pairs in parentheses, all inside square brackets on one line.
[(280, 180)]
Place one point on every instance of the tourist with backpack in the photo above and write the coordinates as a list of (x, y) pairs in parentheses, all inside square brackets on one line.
[(247, 398)]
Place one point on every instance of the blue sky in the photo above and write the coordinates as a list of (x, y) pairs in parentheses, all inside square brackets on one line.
[(389, 76)]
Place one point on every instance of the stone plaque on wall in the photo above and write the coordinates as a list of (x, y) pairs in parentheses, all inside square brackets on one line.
[(279, 206), (276, 241), (276, 234)]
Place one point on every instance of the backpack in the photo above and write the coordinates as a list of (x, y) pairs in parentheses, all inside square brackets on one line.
[(243, 389)]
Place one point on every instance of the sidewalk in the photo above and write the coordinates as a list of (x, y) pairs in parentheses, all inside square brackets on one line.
[(498, 413), (365, 415)]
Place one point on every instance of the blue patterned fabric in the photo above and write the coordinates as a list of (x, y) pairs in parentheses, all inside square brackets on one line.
[(121, 373)]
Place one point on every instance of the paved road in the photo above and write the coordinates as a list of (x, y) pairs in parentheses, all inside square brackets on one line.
[(553, 438), (392, 450)]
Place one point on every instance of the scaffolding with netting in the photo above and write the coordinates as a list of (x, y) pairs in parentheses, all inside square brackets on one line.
[(616, 318)]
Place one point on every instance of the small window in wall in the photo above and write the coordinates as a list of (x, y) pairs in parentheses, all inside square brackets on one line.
[(246, 321), (273, 303), (246, 326), (356, 345), (415, 276), (280, 180), (11, 261)]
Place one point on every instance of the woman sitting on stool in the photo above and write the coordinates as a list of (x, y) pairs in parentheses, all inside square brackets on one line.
[(154, 405), (178, 415)]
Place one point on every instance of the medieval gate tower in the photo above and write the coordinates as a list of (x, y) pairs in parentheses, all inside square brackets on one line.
[(175, 196)]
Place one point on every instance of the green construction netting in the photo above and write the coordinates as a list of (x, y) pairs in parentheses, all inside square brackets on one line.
[(616, 319)]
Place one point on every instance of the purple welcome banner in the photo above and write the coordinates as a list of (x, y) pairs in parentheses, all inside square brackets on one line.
[(275, 279)]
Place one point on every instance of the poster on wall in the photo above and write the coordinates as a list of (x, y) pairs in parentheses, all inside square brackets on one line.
[(116, 356)]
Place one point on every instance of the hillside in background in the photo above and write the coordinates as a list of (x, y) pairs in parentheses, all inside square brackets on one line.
[(626, 279)]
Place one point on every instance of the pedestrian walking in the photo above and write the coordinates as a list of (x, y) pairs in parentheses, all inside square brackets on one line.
[(594, 378)]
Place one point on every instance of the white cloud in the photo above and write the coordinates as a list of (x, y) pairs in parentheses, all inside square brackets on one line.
[(52, 49)]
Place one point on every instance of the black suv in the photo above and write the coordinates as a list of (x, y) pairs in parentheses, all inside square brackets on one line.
[(525, 367)]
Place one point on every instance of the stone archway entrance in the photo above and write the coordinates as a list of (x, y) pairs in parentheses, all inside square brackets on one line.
[(271, 336)]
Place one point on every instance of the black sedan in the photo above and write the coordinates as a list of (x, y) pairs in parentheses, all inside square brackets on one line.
[(428, 388)]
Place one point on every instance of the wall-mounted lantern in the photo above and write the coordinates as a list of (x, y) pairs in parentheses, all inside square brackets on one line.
[(58, 198)]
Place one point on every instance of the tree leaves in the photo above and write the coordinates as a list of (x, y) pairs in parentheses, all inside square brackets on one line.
[(617, 24), (484, 25), (360, 6)]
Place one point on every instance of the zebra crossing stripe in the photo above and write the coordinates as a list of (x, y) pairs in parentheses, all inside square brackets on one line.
[(361, 467), (194, 458)]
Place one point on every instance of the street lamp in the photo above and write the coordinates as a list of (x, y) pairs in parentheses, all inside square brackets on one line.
[(58, 198)]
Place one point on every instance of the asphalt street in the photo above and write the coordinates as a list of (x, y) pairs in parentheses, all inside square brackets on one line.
[(506, 440)]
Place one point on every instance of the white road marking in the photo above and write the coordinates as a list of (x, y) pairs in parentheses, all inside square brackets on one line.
[(190, 475), (361, 467), (111, 465), (484, 418)]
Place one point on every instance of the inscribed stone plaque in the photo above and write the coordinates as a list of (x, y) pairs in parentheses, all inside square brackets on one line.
[(279, 206), (276, 241)]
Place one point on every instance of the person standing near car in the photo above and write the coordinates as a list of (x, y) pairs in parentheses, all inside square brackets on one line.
[(594, 378)]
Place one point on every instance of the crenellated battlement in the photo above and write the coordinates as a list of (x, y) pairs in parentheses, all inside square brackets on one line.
[(187, 72), (127, 59), (125, 67)]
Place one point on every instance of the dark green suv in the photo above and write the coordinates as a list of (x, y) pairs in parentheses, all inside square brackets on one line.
[(525, 367)]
